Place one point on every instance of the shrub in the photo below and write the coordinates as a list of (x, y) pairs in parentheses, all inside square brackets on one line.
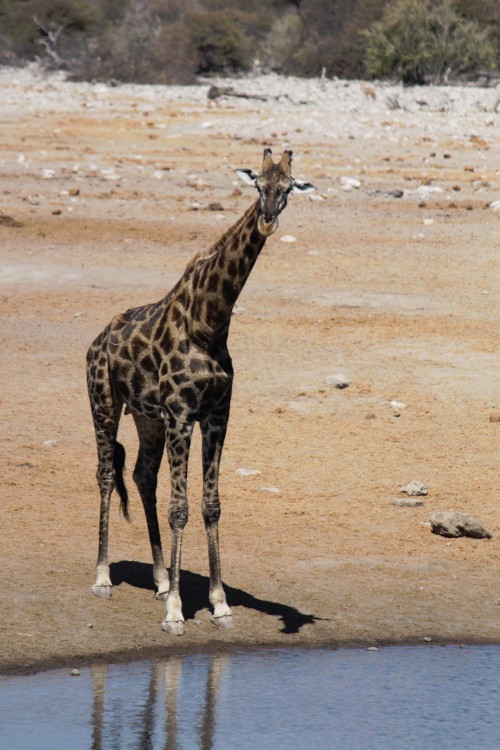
[(420, 40)]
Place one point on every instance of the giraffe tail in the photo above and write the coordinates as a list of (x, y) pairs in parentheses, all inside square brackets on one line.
[(119, 463)]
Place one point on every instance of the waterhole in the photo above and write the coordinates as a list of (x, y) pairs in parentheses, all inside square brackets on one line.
[(398, 698)]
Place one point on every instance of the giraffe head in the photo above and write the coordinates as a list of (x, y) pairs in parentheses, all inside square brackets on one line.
[(274, 184)]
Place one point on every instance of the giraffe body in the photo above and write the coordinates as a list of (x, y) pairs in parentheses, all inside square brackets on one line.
[(169, 365)]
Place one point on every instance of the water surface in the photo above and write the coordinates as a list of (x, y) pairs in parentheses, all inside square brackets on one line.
[(401, 698)]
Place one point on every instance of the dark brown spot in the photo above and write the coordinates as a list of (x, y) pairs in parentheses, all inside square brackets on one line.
[(147, 364), (176, 363), (189, 396)]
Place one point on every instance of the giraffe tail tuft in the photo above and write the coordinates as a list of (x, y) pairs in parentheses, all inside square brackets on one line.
[(119, 463)]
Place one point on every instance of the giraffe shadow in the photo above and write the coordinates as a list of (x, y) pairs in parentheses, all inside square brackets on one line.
[(194, 594)]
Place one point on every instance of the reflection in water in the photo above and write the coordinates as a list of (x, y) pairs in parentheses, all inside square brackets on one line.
[(411, 698), (163, 684)]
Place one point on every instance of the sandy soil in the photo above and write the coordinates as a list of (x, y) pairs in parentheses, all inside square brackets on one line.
[(399, 294)]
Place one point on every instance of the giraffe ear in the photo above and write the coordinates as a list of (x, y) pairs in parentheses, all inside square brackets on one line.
[(247, 175), (302, 187)]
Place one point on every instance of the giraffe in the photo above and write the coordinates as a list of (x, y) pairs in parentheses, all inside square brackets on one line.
[(168, 364)]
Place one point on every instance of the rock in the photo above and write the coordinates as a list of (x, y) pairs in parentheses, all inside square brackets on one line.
[(288, 238), (238, 309), (407, 502), (350, 183), (495, 205), (50, 443), (372, 648), (272, 490), (247, 472), (216, 206), (74, 191), (414, 488), (8, 221), (338, 381), (298, 407), (453, 524), (398, 405), (495, 416), (75, 673)]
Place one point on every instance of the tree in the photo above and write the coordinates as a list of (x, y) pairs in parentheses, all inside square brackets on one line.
[(418, 40)]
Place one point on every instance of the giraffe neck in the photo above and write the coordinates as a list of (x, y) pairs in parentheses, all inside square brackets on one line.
[(216, 281)]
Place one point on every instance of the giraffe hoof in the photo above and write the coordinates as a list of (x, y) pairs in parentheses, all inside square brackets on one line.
[(173, 627), (103, 592), (225, 622)]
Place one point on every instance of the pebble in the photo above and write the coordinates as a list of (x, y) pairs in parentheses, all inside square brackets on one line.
[(75, 673), (406, 502), (372, 648), (216, 206), (338, 380), (288, 238), (495, 416), (495, 205), (427, 222), (398, 405), (350, 183), (238, 309), (414, 488), (298, 407), (427, 639), (50, 443), (247, 472), (272, 490)]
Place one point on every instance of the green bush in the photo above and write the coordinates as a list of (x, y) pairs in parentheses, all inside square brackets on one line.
[(421, 40)]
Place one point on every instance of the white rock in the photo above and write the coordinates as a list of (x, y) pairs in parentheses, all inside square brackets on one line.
[(398, 405), (48, 174), (414, 489), (350, 183), (427, 222), (424, 191), (495, 205), (50, 443), (298, 407), (238, 309), (288, 238), (372, 648), (272, 490), (247, 472)]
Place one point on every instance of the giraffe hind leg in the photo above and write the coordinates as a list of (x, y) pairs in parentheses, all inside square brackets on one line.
[(106, 411)]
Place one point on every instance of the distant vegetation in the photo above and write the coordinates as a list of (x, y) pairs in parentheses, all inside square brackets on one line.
[(174, 41)]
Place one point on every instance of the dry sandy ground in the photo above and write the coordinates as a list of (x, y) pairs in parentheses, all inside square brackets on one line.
[(400, 294)]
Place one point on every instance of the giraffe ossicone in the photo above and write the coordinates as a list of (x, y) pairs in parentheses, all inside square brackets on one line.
[(168, 364)]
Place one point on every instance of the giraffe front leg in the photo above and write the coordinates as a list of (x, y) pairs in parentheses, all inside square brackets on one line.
[(178, 441), (214, 432), (151, 443)]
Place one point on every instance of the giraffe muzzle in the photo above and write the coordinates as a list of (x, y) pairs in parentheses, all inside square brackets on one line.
[(267, 228)]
